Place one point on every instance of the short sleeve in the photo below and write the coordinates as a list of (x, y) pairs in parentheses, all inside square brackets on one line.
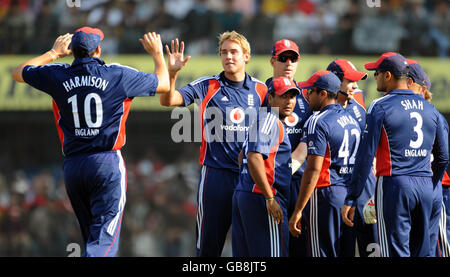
[(317, 140), (195, 90), (263, 135), (39, 77), (136, 83)]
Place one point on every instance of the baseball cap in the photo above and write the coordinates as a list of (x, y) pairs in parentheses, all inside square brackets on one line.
[(417, 73), (281, 85), (284, 45), (87, 38), (322, 79), (392, 62), (345, 69)]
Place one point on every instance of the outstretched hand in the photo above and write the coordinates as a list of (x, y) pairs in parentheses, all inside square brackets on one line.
[(152, 43), (61, 45), (176, 56)]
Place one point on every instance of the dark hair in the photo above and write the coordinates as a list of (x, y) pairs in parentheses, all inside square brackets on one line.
[(79, 53), (403, 75), (330, 94)]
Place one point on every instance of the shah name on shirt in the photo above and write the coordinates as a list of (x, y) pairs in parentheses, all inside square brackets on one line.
[(411, 104), (85, 81)]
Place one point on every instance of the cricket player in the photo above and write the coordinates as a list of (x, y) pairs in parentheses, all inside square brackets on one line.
[(284, 60), (365, 233), (259, 225), (91, 103), (332, 138), (402, 130), (420, 83), (227, 103)]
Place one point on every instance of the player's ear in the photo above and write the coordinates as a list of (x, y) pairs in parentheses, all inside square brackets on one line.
[(323, 92), (388, 75), (272, 61), (247, 58), (410, 81)]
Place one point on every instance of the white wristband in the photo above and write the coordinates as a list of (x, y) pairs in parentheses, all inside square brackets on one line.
[(295, 166), (54, 54)]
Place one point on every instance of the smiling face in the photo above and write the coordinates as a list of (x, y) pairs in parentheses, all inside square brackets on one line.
[(349, 87), (233, 58)]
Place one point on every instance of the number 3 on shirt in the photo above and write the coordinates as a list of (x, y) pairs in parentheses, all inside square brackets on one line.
[(344, 151), (87, 110), (418, 130)]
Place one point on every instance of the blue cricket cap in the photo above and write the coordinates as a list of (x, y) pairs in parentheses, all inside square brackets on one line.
[(417, 73), (87, 38), (392, 62), (322, 79)]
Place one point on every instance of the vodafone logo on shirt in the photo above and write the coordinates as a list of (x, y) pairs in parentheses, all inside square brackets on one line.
[(237, 115), (291, 120)]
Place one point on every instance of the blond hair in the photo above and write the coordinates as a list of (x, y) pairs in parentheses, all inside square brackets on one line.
[(235, 37), (428, 95)]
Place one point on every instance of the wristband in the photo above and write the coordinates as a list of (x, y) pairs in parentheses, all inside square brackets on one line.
[(271, 198), (54, 56)]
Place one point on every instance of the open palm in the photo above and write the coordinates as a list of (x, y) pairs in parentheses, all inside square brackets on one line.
[(176, 56)]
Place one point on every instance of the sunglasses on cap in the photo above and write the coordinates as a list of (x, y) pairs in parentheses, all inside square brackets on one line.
[(284, 59)]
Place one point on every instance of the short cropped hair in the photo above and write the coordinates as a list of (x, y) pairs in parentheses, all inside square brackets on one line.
[(79, 53), (236, 37), (332, 95)]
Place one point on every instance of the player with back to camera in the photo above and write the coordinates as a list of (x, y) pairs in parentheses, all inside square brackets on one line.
[(91, 103), (332, 137), (420, 83), (231, 98), (402, 129), (364, 228)]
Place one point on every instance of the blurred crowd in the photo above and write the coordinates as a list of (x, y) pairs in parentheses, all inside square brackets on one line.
[(36, 218), (412, 27)]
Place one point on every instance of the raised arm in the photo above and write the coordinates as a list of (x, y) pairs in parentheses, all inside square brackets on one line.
[(153, 45), (59, 50), (175, 64)]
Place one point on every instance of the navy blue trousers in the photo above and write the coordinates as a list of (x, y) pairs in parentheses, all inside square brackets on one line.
[(404, 207), (214, 198), (254, 232), (96, 186)]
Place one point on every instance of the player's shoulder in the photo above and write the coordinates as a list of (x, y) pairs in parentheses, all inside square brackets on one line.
[(255, 80), (318, 120), (118, 66), (267, 121), (205, 80), (380, 102), (52, 66)]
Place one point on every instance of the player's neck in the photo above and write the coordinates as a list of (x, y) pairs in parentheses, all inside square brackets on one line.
[(327, 103), (342, 101), (235, 76)]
